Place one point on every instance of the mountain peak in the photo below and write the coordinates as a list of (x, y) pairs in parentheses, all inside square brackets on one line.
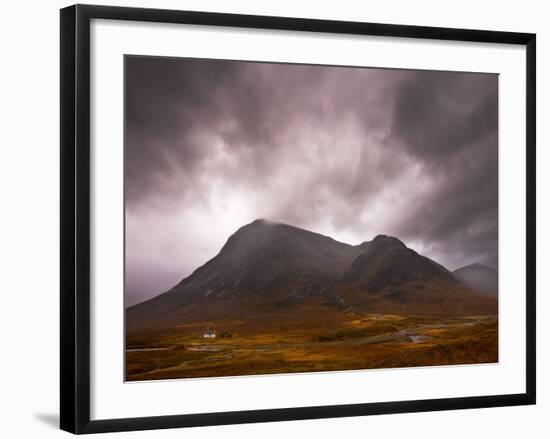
[(388, 240), (475, 266), (280, 250), (479, 277), (262, 222), (259, 225)]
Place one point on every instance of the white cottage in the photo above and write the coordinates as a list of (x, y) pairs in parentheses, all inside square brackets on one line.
[(209, 334)]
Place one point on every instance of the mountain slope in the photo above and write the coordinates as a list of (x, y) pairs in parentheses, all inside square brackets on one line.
[(388, 262), (275, 271), (479, 277), (389, 277)]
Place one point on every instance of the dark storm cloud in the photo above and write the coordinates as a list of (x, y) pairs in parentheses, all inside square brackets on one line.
[(172, 105), (449, 121), (440, 114), (348, 152)]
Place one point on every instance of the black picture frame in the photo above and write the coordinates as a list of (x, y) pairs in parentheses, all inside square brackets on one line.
[(75, 217)]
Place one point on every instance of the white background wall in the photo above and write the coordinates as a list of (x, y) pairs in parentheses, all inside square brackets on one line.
[(29, 205)]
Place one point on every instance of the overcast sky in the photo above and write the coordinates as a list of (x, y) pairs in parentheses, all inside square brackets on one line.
[(347, 152)]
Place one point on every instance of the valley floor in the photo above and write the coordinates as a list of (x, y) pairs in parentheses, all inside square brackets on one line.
[(362, 342)]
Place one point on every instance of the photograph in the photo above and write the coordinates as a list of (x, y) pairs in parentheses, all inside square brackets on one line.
[(288, 218)]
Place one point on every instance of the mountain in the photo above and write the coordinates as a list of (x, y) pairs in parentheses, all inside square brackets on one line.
[(387, 262), (479, 277), (272, 271)]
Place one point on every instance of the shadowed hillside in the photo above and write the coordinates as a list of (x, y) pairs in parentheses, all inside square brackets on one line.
[(479, 277)]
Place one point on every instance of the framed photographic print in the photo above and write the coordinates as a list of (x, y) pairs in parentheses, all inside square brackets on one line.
[(268, 218)]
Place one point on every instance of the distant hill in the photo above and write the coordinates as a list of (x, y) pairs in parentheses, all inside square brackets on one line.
[(273, 272), (479, 277)]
